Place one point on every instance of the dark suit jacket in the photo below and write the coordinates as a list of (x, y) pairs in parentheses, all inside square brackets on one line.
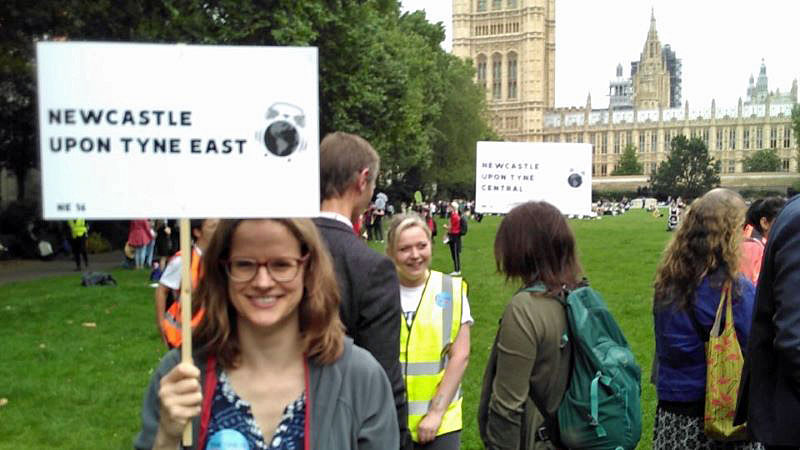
[(769, 396), (370, 307)]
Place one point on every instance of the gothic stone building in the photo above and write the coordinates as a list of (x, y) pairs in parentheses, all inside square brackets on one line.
[(512, 43)]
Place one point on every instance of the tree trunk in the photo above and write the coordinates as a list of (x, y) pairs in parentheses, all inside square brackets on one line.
[(20, 175)]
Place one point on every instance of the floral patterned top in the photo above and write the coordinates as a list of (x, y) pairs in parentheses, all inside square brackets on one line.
[(232, 426)]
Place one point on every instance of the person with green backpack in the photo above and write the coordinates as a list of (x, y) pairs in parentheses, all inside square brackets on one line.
[(560, 373)]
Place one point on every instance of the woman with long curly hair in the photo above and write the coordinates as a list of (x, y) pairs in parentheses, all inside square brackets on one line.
[(272, 369), (700, 261)]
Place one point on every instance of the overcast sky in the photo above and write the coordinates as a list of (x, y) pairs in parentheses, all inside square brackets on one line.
[(720, 42)]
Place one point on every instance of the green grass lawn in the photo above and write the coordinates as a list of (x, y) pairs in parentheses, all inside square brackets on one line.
[(73, 386)]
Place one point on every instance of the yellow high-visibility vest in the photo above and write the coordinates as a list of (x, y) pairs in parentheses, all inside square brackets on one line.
[(77, 227), (423, 349)]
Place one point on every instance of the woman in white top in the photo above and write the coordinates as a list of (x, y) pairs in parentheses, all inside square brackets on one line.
[(434, 336)]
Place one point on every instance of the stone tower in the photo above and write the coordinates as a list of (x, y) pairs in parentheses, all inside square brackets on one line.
[(651, 81), (512, 45)]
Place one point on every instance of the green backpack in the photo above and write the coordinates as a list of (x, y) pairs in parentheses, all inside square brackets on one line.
[(601, 408)]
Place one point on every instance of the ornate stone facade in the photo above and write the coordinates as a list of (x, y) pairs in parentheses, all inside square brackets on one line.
[(512, 44), (651, 80)]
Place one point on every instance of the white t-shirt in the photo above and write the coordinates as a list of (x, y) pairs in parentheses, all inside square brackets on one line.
[(171, 276), (411, 296)]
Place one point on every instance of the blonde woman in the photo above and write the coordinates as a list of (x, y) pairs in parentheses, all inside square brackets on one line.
[(701, 259), (434, 336)]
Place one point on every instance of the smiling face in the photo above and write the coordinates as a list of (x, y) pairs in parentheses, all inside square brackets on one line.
[(263, 302), (412, 256)]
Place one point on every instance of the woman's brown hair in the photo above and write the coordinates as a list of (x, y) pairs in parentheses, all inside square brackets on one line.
[(706, 240), (321, 329), (534, 243)]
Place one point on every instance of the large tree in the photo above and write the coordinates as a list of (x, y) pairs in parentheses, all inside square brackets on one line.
[(765, 160), (688, 172), (628, 163), (383, 75)]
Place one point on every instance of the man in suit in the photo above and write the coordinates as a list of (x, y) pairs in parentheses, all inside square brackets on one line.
[(769, 395), (370, 307)]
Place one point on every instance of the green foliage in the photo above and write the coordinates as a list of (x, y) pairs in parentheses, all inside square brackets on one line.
[(97, 243), (383, 75), (628, 163), (614, 195), (688, 172), (460, 126), (765, 160)]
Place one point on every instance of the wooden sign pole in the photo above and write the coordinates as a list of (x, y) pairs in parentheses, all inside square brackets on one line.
[(186, 308)]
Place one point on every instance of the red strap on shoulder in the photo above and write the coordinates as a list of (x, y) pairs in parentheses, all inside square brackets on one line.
[(209, 387), (307, 425)]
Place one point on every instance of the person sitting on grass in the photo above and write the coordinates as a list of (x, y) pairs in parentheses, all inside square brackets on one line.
[(272, 366)]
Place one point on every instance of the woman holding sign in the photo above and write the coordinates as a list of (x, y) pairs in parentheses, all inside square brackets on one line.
[(272, 367)]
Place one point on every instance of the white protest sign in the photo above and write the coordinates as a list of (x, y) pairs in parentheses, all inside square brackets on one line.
[(511, 173), (146, 130)]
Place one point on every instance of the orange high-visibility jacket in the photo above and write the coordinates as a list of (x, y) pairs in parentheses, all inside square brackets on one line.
[(172, 317)]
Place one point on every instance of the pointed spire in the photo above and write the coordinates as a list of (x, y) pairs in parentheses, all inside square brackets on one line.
[(652, 20)]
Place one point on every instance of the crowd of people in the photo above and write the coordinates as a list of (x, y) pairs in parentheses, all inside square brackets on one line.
[(368, 350)]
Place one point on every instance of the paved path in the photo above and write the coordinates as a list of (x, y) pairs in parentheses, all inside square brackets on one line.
[(32, 269)]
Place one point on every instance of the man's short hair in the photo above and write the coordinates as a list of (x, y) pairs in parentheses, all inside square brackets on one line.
[(341, 157)]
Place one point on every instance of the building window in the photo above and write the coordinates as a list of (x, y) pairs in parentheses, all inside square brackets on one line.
[(511, 4), (731, 166), (719, 138), (512, 75), (773, 137), (591, 141), (497, 81), (785, 164), (617, 140), (746, 138), (787, 137), (497, 4), (654, 141), (641, 142), (759, 138), (579, 138), (732, 139), (667, 140), (482, 71), (705, 136), (604, 143), (568, 138), (481, 5), (603, 170)]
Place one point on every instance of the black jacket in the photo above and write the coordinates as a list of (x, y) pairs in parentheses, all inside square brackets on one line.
[(769, 395), (370, 307)]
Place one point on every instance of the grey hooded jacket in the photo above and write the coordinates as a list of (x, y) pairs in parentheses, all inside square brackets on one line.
[(351, 403)]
